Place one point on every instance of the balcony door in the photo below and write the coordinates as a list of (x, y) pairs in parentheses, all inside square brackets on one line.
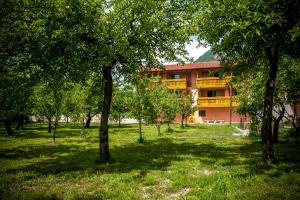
[(215, 93), (175, 76), (211, 93)]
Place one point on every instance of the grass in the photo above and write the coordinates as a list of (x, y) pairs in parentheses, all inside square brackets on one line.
[(198, 162)]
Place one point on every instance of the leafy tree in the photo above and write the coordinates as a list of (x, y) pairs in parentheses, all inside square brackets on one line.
[(40, 40), (186, 108), (130, 38), (120, 103), (157, 97), (92, 98), (17, 74), (49, 103), (251, 34), (62, 39), (137, 95), (170, 108), (250, 93)]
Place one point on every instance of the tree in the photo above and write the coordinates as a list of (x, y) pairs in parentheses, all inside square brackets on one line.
[(186, 108), (40, 40), (131, 38), (66, 39), (92, 98), (157, 98), (49, 103), (170, 108), (250, 93), (251, 34), (17, 74), (120, 103), (136, 99)]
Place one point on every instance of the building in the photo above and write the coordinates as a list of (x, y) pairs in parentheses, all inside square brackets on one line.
[(212, 95)]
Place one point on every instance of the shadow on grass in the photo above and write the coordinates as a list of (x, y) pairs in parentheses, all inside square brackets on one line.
[(155, 155)]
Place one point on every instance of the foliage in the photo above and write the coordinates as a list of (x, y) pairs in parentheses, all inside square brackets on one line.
[(251, 36), (250, 92), (120, 103), (49, 98), (186, 105), (158, 101), (170, 108)]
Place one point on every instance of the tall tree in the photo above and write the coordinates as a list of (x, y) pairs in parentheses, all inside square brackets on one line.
[(134, 34), (17, 74), (249, 34)]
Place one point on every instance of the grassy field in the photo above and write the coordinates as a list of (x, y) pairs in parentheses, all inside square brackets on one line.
[(198, 162)]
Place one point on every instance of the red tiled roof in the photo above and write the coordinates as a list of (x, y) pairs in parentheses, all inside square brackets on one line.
[(189, 66)]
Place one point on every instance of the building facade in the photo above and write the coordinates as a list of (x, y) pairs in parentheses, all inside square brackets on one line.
[(213, 96)]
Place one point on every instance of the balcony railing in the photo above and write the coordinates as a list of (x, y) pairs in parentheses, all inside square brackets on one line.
[(216, 102), (175, 84), (212, 82)]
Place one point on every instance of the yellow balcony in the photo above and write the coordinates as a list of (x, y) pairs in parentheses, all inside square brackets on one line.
[(175, 84), (216, 102), (212, 82)]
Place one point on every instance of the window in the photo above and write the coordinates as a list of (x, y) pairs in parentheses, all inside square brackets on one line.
[(212, 93), (216, 74), (175, 76), (201, 113)]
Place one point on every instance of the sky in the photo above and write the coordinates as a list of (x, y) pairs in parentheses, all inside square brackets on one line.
[(194, 50)]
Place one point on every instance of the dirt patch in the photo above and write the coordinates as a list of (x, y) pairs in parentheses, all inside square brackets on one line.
[(209, 171), (162, 185), (180, 193)]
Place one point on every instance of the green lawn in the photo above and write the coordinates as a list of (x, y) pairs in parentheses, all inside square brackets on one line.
[(199, 162)]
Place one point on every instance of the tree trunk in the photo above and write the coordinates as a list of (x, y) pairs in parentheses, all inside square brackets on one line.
[(103, 145), (67, 119), (88, 120), (266, 129), (20, 123), (7, 124), (276, 124), (140, 131), (158, 128), (119, 120), (297, 129), (49, 126), (182, 119), (296, 120), (54, 132), (275, 130)]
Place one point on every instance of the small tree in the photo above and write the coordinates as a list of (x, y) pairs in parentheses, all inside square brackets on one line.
[(155, 102), (170, 109), (120, 104), (185, 103), (49, 103), (136, 101)]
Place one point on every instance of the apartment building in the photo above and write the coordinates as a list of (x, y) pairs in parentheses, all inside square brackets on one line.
[(213, 96)]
